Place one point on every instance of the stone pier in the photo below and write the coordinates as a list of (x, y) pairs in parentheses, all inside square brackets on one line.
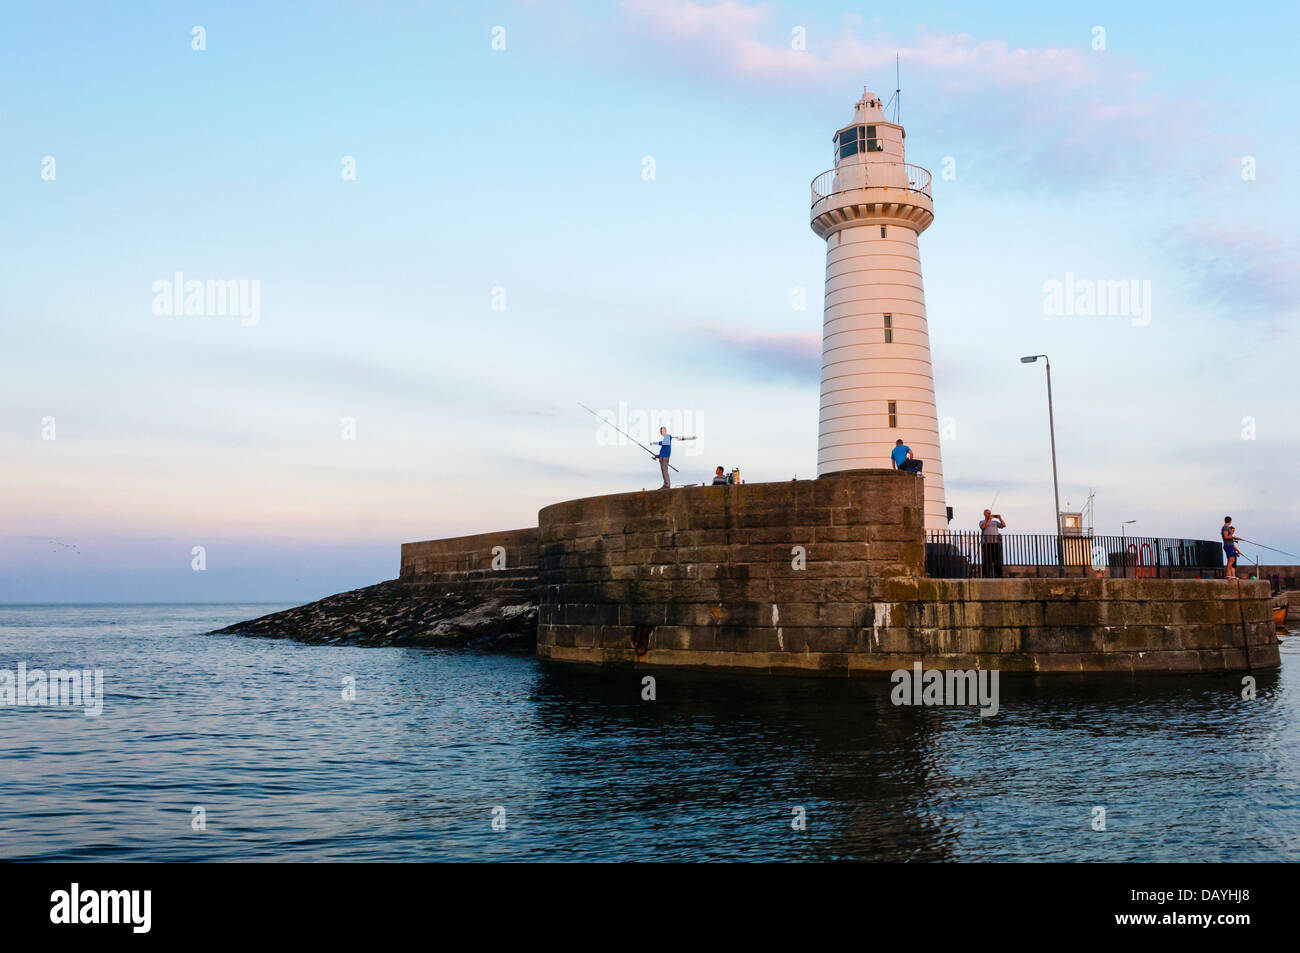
[(827, 577)]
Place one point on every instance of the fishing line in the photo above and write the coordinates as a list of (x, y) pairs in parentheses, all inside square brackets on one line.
[(1281, 552), (626, 434)]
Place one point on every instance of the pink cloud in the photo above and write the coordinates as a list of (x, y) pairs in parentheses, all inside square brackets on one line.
[(725, 37), (1255, 272), (1063, 115), (795, 355)]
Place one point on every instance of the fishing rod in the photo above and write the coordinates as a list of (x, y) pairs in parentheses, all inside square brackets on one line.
[(1269, 548), (991, 505), (626, 434)]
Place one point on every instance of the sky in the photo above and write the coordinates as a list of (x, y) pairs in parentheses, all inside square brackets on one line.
[(461, 221)]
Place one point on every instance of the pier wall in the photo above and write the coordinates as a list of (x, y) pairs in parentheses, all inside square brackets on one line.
[(1286, 577), (465, 564), (823, 577), (1138, 626), (700, 575), (827, 577)]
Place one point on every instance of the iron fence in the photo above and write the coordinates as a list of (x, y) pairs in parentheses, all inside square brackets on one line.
[(968, 555)]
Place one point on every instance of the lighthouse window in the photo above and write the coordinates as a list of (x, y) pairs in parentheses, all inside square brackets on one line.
[(893, 413), (889, 329), (882, 231), (851, 142), (857, 139)]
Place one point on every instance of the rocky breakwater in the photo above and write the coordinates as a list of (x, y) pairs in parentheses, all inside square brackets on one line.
[(401, 613), (474, 591)]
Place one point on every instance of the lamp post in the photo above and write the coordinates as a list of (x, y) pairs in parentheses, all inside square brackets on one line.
[(1123, 547), (1056, 489)]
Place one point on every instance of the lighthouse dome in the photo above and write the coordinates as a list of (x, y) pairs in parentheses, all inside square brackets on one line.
[(869, 108), (870, 136)]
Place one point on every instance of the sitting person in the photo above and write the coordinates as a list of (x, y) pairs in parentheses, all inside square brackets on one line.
[(903, 459), (718, 478)]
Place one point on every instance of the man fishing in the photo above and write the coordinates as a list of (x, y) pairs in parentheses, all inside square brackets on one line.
[(665, 445), (1230, 541), (665, 442), (991, 527)]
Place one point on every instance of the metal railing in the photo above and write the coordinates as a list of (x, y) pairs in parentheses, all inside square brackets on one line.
[(864, 175), (968, 555)]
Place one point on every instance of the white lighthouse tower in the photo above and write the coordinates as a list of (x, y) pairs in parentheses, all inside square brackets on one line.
[(877, 381)]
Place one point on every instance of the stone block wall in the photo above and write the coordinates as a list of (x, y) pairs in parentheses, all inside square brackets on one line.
[(743, 569), (1137, 626), (824, 577), (1286, 577), (709, 577), (464, 564)]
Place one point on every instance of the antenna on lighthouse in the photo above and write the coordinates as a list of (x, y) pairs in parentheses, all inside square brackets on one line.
[(898, 89), (896, 100)]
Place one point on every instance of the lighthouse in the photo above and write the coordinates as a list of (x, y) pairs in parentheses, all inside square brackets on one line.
[(877, 380)]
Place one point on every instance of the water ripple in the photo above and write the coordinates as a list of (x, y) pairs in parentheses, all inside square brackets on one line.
[(258, 735)]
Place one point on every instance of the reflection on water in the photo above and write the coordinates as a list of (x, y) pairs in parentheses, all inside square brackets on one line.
[(258, 735)]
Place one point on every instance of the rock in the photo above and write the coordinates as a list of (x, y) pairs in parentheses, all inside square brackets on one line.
[(396, 612)]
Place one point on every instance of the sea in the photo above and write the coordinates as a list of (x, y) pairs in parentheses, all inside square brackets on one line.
[(225, 748)]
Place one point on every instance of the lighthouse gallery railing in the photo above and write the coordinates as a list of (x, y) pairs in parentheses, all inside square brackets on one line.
[(870, 175)]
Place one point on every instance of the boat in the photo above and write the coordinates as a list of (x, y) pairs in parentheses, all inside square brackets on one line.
[(1279, 616)]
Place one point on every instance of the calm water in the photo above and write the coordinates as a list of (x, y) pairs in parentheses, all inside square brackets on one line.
[(257, 734)]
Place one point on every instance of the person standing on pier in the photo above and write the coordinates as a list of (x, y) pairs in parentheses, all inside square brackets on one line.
[(1230, 540), (665, 445), (991, 526)]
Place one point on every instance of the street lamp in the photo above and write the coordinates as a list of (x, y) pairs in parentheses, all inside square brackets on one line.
[(1056, 489), (1123, 547)]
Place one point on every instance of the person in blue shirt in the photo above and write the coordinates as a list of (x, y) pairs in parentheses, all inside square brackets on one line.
[(903, 459), (665, 445)]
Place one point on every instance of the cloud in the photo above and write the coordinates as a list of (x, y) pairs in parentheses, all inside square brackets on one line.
[(1064, 115), (1256, 273), (725, 38), (1051, 120), (793, 356)]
